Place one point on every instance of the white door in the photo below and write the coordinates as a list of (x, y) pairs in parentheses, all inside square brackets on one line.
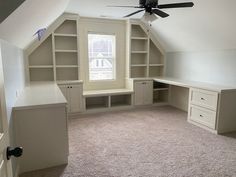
[(148, 92), (5, 165), (65, 91), (138, 93), (75, 92)]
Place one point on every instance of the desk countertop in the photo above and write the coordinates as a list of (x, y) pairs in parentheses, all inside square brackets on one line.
[(188, 84), (40, 94)]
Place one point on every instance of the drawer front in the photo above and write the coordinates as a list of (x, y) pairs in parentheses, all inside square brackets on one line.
[(203, 116), (204, 98)]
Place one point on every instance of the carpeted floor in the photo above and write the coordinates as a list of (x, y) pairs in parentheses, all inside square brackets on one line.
[(145, 142)]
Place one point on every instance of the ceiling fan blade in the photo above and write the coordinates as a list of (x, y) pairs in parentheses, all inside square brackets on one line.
[(160, 13), (133, 13), (176, 5), (126, 6)]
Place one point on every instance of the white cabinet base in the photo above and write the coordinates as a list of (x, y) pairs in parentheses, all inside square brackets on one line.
[(43, 134)]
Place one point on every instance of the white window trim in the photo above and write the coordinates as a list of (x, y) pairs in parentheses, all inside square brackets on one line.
[(114, 59)]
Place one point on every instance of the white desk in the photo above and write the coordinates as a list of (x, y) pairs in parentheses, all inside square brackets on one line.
[(189, 84), (209, 106), (40, 124)]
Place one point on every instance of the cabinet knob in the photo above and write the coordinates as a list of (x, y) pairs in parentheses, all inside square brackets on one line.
[(202, 98), (16, 152)]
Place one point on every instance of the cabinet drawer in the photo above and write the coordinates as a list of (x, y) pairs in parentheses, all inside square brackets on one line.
[(204, 98), (203, 116)]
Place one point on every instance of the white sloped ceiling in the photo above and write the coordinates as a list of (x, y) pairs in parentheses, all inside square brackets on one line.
[(209, 25), (32, 15)]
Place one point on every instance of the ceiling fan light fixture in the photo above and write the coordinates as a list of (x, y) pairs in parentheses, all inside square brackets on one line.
[(152, 7)]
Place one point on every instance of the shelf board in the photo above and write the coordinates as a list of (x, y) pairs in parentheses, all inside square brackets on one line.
[(66, 51), (139, 65), (139, 51), (120, 104), (89, 107), (160, 102), (156, 65), (65, 35), (67, 66), (41, 66), (160, 89), (139, 38)]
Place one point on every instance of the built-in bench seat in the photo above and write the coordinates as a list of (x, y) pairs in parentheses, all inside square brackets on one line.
[(91, 93), (103, 99)]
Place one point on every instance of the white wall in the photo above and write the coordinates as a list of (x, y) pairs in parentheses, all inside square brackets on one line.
[(14, 73), (19, 28), (217, 67)]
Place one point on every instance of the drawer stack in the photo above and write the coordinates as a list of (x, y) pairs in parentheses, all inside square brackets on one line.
[(203, 107)]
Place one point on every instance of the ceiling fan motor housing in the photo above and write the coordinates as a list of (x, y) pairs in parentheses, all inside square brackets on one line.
[(151, 3)]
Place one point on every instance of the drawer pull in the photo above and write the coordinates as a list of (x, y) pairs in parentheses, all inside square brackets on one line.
[(202, 98), (201, 115)]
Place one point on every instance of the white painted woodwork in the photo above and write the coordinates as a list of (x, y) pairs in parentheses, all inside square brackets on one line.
[(203, 116), (103, 26), (138, 93), (194, 84), (5, 165), (64, 90), (143, 93), (145, 59), (114, 99), (40, 124), (56, 58), (73, 94), (216, 111), (179, 97), (40, 94), (43, 133), (204, 98)]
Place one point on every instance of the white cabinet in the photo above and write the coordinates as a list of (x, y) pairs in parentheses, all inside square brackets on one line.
[(73, 94), (203, 107), (143, 92)]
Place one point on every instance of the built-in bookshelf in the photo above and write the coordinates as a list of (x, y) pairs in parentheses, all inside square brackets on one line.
[(160, 92), (57, 57), (146, 60)]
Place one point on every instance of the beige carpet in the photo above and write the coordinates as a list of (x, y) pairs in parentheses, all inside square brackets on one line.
[(146, 142)]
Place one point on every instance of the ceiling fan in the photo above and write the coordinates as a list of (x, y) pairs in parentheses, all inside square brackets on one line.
[(153, 7)]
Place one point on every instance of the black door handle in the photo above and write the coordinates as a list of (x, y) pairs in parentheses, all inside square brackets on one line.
[(16, 152)]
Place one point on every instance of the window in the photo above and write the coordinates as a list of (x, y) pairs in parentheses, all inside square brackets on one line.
[(102, 54)]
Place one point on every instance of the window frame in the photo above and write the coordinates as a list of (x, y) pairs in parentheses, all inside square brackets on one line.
[(114, 69)]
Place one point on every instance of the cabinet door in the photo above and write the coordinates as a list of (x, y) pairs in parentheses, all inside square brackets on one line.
[(76, 92), (64, 90), (138, 93), (147, 92)]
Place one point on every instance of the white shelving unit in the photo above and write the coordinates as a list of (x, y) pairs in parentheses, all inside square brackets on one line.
[(57, 58), (145, 58), (160, 92), (97, 102), (138, 52)]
